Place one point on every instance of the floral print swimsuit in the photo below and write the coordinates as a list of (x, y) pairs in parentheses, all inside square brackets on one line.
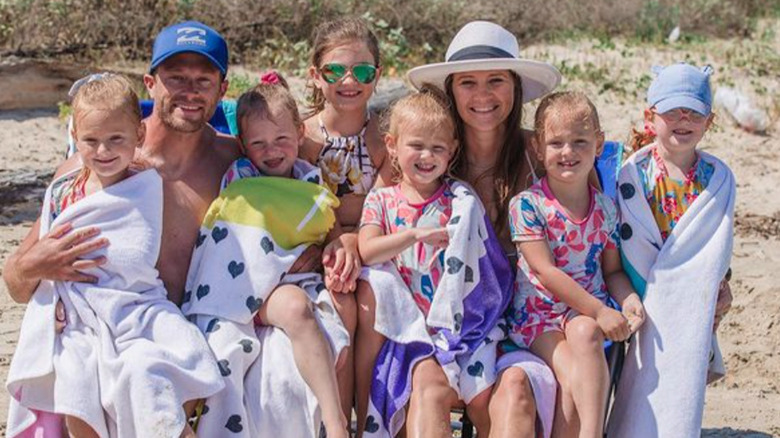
[(420, 265), (535, 214), (669, 198), (345, 163)]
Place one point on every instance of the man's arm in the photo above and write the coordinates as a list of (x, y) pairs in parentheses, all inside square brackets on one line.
[(56, 256)]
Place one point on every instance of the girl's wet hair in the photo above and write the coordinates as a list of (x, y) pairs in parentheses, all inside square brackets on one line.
[(332, 34), (506, 172), (268, 99), (429, 107), (108, 93), (572, 103)]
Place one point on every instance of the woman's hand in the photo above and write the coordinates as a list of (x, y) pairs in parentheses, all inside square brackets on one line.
[(723, 305), (634, 312), (613, 324)]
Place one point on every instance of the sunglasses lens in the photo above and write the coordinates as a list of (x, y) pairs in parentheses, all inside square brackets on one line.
[(364, 73), (333, 72)]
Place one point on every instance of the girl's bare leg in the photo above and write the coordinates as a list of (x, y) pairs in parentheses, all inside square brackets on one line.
[(367, 345), (430, 402), (346, 306), (78, 428), (290, 309)]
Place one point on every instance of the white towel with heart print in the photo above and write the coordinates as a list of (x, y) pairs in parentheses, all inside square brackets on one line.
[(250, 237), (661, 388), (127, 359)]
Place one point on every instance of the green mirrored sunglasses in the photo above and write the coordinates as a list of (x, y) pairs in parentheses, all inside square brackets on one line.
[(363, 73)]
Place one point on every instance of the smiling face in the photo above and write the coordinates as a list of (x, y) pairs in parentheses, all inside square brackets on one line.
[(423, 154), (346, 94), (568, 145), (186, 89), (106, 141), (271, 142), (484, 99), (679, 130)]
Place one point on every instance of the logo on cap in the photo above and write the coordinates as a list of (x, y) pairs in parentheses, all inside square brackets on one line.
[(191, 35)]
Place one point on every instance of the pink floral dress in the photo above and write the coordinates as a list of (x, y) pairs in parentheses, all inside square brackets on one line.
[(420, 265), (535, 214)]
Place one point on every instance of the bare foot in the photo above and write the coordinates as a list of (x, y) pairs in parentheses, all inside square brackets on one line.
[(188, 432)]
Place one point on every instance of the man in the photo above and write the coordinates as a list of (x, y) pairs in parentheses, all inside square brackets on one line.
[(186, 79)]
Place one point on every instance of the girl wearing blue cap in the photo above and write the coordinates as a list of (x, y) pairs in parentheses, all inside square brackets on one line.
[(677, 209)]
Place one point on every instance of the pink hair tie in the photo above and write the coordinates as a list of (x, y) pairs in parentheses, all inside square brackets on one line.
[(270, 77)]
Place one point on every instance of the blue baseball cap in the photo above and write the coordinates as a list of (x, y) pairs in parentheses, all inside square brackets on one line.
[(681, 86), (193, 37)]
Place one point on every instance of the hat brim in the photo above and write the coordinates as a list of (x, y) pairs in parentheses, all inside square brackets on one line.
[(164, 57), (538, 78), (686, 102)]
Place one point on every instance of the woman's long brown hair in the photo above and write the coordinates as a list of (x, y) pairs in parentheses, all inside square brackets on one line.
[(506, 170)]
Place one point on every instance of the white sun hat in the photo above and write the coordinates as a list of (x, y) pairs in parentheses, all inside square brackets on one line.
[(481, 46)]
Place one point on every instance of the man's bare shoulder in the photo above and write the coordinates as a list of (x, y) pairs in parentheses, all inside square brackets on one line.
[(226, 149)]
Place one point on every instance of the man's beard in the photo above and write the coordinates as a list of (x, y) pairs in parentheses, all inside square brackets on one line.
[(182, 125)]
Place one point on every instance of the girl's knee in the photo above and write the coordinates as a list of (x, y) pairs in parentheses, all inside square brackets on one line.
[(585, 333)]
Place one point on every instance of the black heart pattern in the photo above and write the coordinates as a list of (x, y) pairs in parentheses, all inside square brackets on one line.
[(218, 234), (266, 244), (371, 425), (203, 290), (468, 276), (205, 410), (234, 424), (454, 220), (224, 367), (453, 265), (626, 232), (186, 297), (235, 268), (458, 317), (201, 239), (212, 326), (254, 304), (314, 179), (627, 190), (476, 370), (246, 344)]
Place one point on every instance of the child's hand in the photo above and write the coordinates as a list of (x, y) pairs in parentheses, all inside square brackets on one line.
[(613, 324), (432, 236), (634, 312), (342, 264)]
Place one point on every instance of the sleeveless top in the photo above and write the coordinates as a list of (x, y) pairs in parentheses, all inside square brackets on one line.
[(345, 163), (67, 190)]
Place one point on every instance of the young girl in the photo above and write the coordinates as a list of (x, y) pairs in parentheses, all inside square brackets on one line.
[(677, 207), (127, 359), (270, 132), (439, 299), (566, 232), (343, 139)]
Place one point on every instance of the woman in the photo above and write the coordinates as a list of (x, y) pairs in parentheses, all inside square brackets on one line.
[(488, 82)]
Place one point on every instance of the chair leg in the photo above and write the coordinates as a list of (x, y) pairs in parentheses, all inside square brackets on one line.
[(468, 428), (615, 359)]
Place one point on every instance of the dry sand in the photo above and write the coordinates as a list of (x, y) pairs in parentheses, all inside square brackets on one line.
[(746, 403)]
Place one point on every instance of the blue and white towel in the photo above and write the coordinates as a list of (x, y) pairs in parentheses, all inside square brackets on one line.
[(661, 388)]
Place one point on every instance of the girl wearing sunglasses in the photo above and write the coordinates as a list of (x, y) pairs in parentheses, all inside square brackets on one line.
[(343, 140)]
